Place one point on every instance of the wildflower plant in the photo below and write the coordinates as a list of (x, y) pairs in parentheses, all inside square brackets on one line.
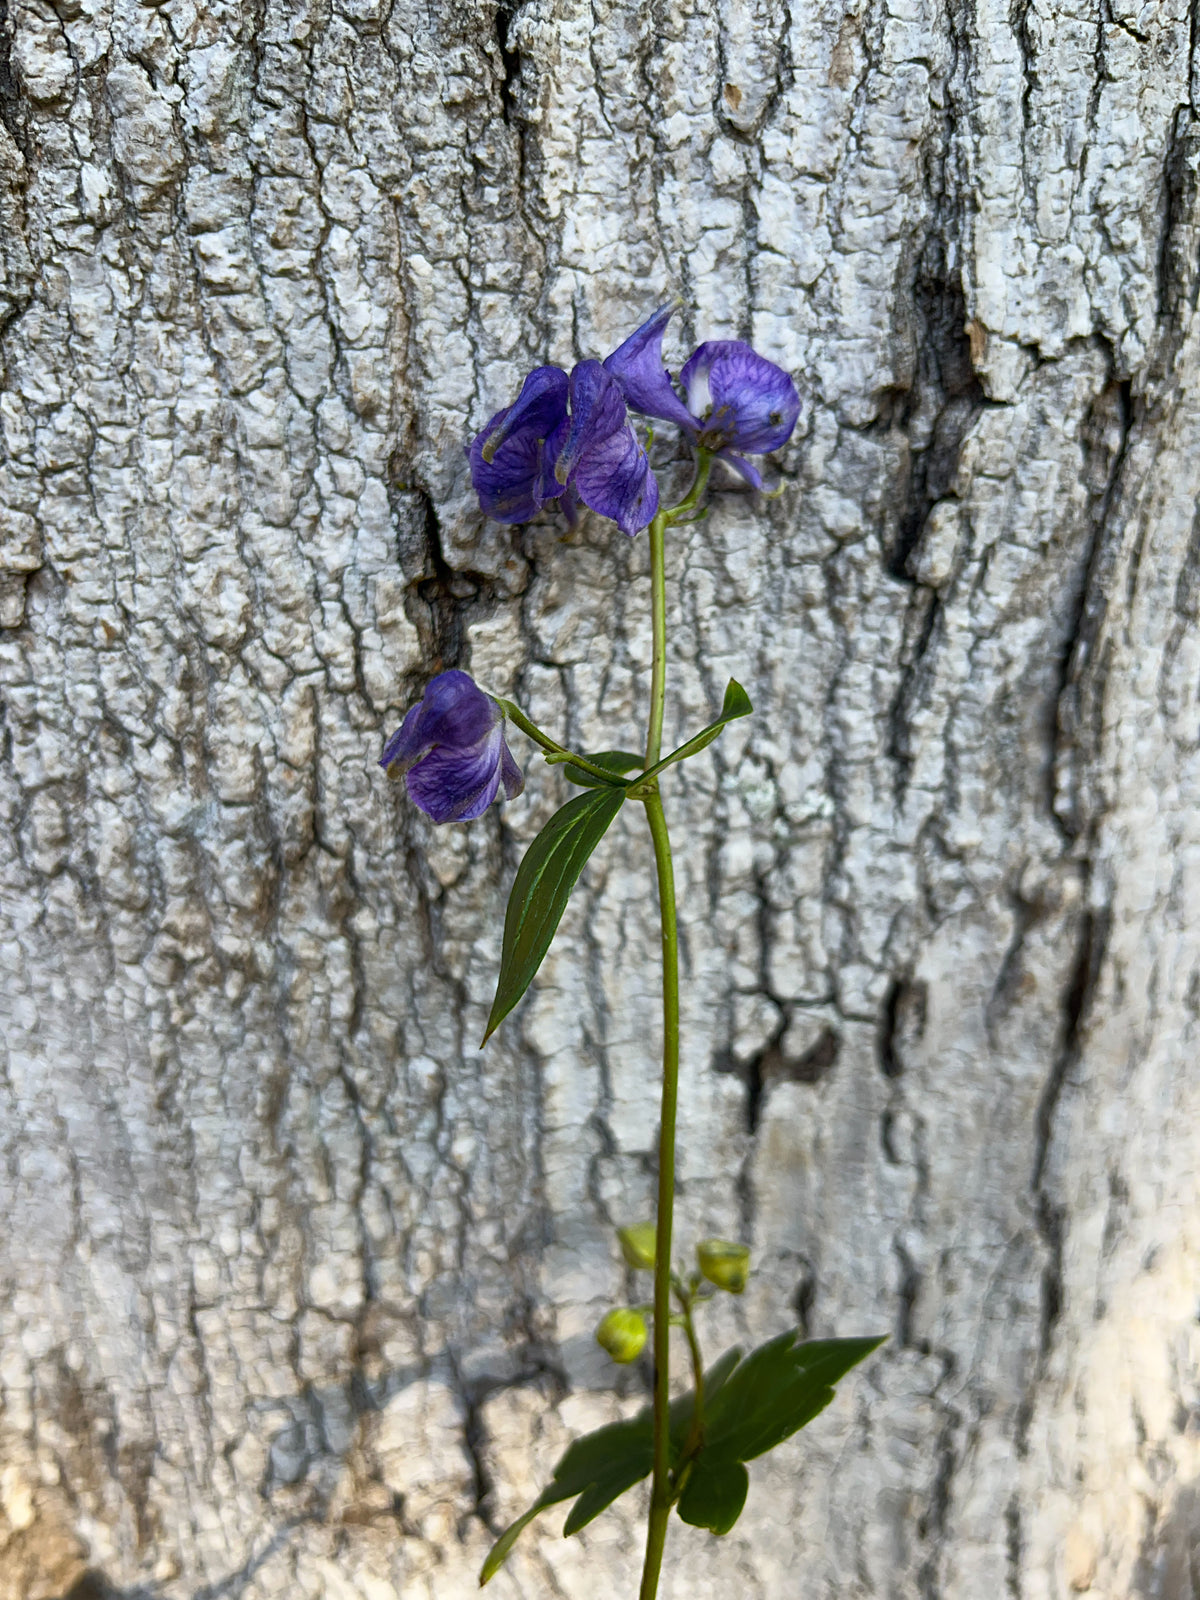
[(567, 441)]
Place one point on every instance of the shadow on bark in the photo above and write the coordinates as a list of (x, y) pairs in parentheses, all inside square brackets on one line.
[(1169, 1564)]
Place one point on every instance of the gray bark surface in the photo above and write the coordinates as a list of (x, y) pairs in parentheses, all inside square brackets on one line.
[(296, 1286)]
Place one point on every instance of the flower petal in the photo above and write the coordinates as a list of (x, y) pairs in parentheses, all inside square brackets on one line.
[(597, 410), (512, 458), (454, 711), (521, 480), (614, 478), (407, 744), (695, 381), (512, 487), (752, 403), (511, 775), (539, 408), (637, 365), (744, 468), (458, 785), (451, 750)]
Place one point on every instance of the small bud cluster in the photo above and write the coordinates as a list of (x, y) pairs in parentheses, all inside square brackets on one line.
[(722, 1263)]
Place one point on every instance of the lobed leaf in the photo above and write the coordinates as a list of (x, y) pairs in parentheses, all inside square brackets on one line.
[(751, 1405), (714, 1494), (602, 1465), (778, 1389), (587, 1460), (598, 1496), (598, 1468), (545, 878)]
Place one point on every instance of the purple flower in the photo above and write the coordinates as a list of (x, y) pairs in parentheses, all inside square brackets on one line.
[(637, 365), (450, 749), (602, 461), (569, 437), (735, 400), (513, 458)]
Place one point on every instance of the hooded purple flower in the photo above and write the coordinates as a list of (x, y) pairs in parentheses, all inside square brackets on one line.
[(450, 749), (512, 459), (564, 436), (735, 400)]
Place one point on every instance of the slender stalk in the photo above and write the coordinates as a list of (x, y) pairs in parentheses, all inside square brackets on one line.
[(660, 1493), (658, 617), (704, 461), (660, 1490), (696, 1431), (555, 752)]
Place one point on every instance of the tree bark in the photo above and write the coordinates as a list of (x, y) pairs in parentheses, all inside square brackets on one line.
[(296, 1286)]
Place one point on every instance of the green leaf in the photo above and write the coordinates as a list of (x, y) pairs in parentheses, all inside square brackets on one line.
[(736, 704), (597, 1454), (597, 1468), (614, 761), (501, 1550), (543, 885), (601, 1494), (684, 1405), (714, 1494), (778, 1389), (750, 1406)]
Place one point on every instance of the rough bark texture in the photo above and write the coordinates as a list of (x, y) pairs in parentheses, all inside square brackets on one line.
[(296, 1287)]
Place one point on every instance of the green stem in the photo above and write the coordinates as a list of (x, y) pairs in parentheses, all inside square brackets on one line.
[(660, 1483), (660, 1492), (658, 618), (696, 1431), (704, 461), (555, 752)]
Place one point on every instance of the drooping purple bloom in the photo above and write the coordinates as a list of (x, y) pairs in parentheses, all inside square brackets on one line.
[(512, 459), (735, 400), (741, 401), (569, 437), (451, 752), (602, 459)]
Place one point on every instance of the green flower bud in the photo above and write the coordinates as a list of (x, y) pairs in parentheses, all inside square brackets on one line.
[(622, 1333), (637, 1245), (727, 1265)]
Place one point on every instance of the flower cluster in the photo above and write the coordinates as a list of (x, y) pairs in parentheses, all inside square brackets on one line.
[(570, 438), (735, 401)]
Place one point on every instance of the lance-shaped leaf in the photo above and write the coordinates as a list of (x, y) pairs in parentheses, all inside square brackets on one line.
[(736, 704), (614, 761), (543, 885)]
